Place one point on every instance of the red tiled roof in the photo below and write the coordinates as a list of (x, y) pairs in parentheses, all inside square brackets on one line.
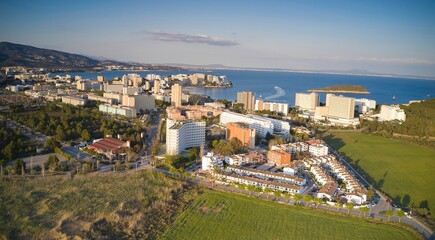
[(107, 144)]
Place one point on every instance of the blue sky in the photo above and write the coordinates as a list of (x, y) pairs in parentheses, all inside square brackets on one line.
[(395, 37)]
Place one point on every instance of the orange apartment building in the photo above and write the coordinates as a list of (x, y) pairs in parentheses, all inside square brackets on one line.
[(279, 157), (243, 132)]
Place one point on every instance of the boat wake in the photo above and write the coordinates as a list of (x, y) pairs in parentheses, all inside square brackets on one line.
[(279, 93)]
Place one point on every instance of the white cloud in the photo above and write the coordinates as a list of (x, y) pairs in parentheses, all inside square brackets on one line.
[(187, 38)]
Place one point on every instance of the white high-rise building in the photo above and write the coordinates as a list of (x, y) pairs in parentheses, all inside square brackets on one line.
[(393, 112), (272, 106), (340, 106), (363, 105), (183, 134), (176, 95), (307, 101)]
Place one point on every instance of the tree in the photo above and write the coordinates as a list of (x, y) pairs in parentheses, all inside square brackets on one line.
[(52, 144), (86, 136), (338, 205), (258, 189), (8, 151), (60, 133), (267, 191), (400, 213), (19, 167), (298, 197), (389, 214), (277, 194), (349, 207), (308, 198), (2, 161), (52, 163), (173, 171), (287, 196), (364, 210), (250, 188), (317, 201), (186, 175)]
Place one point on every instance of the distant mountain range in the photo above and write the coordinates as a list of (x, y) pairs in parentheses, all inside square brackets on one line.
[(12, 54)]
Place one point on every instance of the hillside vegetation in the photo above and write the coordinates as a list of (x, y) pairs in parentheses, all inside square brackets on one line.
[(139, 205), (217, 215), (419, 122)]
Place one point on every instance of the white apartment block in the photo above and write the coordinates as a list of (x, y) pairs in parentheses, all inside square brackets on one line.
[(117, 110), (292, 147), (320, 175), (307, 101), (210, 161), (340, 106), (183, 134), (76, 101), (364, 105), (393, 112), (272, 106), (278, 125), (266, 175), (318, 150), (262, 127), (274, 185), (139, 102)]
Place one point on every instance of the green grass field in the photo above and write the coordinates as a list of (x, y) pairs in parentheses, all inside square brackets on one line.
[(218, 215), (397, 167)]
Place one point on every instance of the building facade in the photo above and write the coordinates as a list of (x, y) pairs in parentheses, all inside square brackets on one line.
[(307, 101), (340, 106), (176, 95), (243, 132), (183, 134), (279, 157), (247, 99)]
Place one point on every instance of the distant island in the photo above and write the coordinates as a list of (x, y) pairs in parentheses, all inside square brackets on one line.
[(342, 89)]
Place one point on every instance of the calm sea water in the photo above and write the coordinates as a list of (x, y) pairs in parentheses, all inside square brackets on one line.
[(382, 89)]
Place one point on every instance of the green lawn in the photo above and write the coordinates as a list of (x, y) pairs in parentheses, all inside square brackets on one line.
[(397, 167), (217, 215)]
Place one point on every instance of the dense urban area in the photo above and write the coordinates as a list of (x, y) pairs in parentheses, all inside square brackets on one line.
[(57, 128)]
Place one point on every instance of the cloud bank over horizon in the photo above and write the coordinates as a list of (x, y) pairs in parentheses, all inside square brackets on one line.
[(188, 38)]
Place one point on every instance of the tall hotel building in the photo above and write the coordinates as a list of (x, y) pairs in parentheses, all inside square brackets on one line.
[(307, 101), (248, 100), (176, 95), (340, 107), (262, 126), (156, 86), (183, 134)]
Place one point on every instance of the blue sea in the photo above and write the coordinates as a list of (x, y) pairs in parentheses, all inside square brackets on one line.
[(263, 83)]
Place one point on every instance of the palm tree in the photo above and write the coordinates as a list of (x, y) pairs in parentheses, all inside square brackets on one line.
[(364, 210), (250, 188), (308, 198), (298, 197), (267, 191), (317, 201), (287, 196), (400, 213), (277, 194), (338, 205), (258, 189), (349, 207), (389, 213)]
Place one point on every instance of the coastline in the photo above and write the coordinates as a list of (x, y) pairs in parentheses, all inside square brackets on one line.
[(338, 91)]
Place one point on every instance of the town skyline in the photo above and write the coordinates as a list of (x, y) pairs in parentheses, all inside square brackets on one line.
[(382, 38)]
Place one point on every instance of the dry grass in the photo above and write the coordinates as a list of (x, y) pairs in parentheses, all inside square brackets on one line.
[(110, 206)]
